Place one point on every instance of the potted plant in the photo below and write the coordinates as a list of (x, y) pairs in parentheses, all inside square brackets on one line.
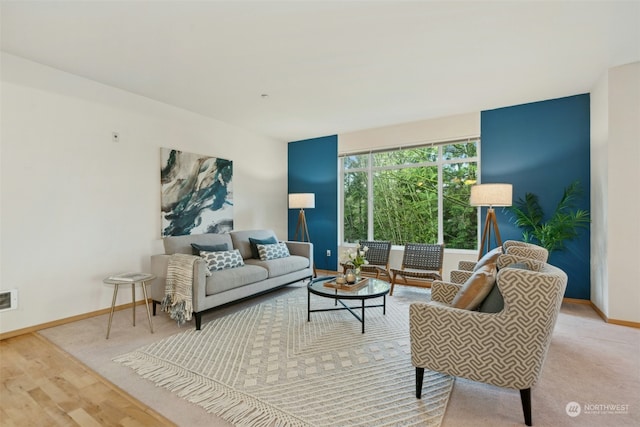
[(562, 226)]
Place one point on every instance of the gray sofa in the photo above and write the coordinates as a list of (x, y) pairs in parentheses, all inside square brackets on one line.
[(228, 285)]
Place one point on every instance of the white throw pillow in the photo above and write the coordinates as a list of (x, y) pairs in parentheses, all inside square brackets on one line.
[(273, 251), (222, 260)]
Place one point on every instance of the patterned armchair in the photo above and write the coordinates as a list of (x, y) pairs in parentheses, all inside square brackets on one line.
[(513, 247), (505, 349)]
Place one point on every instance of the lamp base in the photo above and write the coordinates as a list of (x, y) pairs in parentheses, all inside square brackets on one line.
[(489, 223)]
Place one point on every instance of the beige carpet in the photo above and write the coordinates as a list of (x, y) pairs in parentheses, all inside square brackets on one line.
[(589, 362), (267, 365)]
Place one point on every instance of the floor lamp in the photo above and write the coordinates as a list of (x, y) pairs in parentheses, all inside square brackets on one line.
[(490, 195), (302, 201)]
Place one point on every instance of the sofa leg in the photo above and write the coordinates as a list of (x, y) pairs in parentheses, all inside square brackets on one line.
[(198, 321), (154, 307), (525, 397), (419, 379)]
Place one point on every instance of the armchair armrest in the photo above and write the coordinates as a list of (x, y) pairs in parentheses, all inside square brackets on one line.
[(507, 259), (444, 292), (466, 265), (459, 276)]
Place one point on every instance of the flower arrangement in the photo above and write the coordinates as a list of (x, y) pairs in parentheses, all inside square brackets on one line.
[(355, 256)]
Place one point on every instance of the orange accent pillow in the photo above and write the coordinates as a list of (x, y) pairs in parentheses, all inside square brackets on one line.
[(476, 288)]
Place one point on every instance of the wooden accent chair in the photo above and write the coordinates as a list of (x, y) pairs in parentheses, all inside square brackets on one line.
[(421, 264), (505, 348), (377, 256)]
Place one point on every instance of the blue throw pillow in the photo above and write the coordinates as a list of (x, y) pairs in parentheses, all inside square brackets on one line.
[(255, 242), (209, 248)]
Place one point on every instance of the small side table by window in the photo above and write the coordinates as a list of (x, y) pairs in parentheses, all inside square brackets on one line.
[(129, 279)]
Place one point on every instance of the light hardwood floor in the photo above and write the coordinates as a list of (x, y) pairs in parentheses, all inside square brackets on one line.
[(44, 386)]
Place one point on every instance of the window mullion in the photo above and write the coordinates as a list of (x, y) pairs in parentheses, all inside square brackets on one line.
[(370, 198), (440, 196)]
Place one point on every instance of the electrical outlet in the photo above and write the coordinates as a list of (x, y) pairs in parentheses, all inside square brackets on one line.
[(328, 252)]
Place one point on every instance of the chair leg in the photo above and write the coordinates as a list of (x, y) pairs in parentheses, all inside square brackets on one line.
[(525, 397), (419, 378)]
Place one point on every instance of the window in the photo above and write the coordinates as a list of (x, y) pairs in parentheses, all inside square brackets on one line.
[(418, 194)]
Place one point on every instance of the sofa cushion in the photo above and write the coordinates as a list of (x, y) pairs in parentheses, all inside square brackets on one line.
[(222, 260), (489, 258), (182, 244), (209, 248), (281, 266), (224, 280), (272, 251), (476, 288)]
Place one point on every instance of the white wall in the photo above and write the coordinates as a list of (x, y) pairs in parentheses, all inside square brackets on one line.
[(615, 113), (420, 132), (76, 207), (599, 111)]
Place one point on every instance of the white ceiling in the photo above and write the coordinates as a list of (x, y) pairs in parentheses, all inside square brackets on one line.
[(329, 67)]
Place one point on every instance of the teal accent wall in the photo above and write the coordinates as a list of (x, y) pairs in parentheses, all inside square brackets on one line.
[(541, 148), (313, 168)]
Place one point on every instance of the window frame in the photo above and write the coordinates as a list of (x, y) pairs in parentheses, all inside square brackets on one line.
[(370, 169)]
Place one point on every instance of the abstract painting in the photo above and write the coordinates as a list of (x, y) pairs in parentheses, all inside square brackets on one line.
[(197, 194)]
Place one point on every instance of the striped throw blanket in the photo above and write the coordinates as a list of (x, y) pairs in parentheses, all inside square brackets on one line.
[(178, 295)]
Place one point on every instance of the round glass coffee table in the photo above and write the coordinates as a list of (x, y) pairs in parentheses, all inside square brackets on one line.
[(373, 288)]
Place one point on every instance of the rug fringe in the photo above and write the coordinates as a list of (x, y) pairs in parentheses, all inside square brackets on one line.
[(209, 394)]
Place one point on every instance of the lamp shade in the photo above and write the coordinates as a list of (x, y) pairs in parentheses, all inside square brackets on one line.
[(491, 195), (302, 200)]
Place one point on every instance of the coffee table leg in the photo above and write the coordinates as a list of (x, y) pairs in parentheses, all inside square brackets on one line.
[(113, 306), (133, 301), (384, 305), (308, 305), (363, 315)]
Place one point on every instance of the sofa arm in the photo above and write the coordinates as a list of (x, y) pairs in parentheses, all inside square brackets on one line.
[(303, 249), (159, 264), (444, 292)]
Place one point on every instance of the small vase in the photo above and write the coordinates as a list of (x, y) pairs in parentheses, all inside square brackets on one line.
[(350, 277), (357, 272)]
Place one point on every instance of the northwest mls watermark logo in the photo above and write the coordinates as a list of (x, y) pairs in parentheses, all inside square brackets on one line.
[(574, 409)]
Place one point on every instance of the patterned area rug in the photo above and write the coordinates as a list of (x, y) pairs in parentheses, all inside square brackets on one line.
[(266, 365)]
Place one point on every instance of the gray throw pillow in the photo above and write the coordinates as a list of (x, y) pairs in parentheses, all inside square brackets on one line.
[(494, 302)]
